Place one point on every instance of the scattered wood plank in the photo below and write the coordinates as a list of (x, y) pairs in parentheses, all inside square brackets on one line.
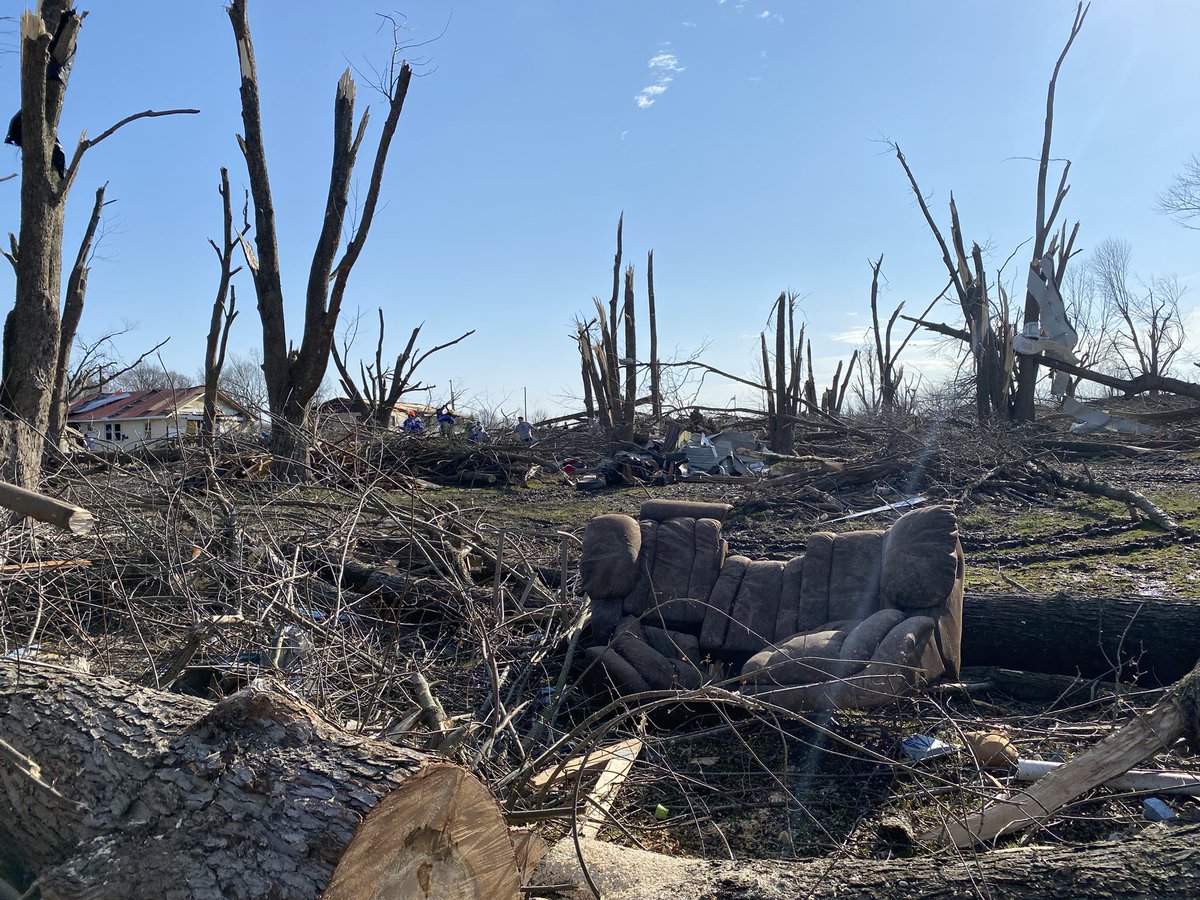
[(1115, 755), (600, 800), (598, 759)]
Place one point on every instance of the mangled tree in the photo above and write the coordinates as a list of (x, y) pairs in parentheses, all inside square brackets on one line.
[(379, 388), (33, 331), (606, 395), (785, 393), (991, 337), (1044, 227), (294, 374)]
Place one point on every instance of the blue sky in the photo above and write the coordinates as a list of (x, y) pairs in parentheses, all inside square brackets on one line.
[(742, 139)]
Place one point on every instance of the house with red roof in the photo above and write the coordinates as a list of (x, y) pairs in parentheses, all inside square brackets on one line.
[(128, 419)]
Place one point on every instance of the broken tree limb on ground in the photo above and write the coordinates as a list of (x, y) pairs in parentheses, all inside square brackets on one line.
[(1154, 638), (1099, 489), (254, 796), (1159, 863), (1176, 714), (63, 515)]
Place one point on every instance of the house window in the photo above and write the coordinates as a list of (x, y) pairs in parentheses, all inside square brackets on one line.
[(112, 432), (193, 427)]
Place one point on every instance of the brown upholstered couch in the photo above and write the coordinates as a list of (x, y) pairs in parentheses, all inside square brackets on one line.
[(858, 620)]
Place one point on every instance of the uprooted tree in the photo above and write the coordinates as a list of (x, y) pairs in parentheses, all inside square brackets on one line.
[(294, 375), (33, 331)]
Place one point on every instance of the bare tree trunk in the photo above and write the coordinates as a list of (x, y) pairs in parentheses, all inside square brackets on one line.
[(1156, 863), (631, 379), (293, 378), (72, 311), (656, 409), (111, 790), (32, 328), (222, 315), (614, 389)]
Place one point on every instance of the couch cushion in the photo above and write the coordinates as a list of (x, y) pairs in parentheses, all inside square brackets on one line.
[(687, 606), (756, 608), (920, 565), (720, 602), (813, 611), (861, 643), (787, 622), (661, 510), (637, 601), (673, 644), (854, 574), (803, 659), (608, 566)]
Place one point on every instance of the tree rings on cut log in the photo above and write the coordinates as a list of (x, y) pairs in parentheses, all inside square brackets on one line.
[(440, 835)]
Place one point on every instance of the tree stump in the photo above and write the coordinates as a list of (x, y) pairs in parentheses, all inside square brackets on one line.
[(113, 790)]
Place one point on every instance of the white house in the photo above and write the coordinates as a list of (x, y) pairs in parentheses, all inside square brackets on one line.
[(132, 418)]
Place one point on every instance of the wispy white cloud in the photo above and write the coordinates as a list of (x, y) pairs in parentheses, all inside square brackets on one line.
[(689, 24), (624, 134), (765, 14), (663, 66)]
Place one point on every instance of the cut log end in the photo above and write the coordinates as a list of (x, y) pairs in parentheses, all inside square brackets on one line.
[(439, 835)]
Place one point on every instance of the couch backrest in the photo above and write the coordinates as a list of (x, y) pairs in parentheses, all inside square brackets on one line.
[(670, 569)]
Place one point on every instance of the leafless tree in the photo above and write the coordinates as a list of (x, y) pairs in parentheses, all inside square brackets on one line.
[(380, 387), (294, 375), (33, 329), (1044, 227), (1149, 332), (149, 375), (987, 320), (224, 309), (1181, 201), (242, 381), (72, 312), (602, 359)]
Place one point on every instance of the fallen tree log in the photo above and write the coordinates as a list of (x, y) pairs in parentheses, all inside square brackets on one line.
[(63, 515), (133, 793), (1154, 640), (1160, 862)]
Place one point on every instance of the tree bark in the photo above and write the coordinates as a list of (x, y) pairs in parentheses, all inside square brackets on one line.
[(32, 328), (111, 790), (1161, 862), (1155, 639)]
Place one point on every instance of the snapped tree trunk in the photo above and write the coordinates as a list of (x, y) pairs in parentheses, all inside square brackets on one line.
[(294, 376), (112, 790)]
